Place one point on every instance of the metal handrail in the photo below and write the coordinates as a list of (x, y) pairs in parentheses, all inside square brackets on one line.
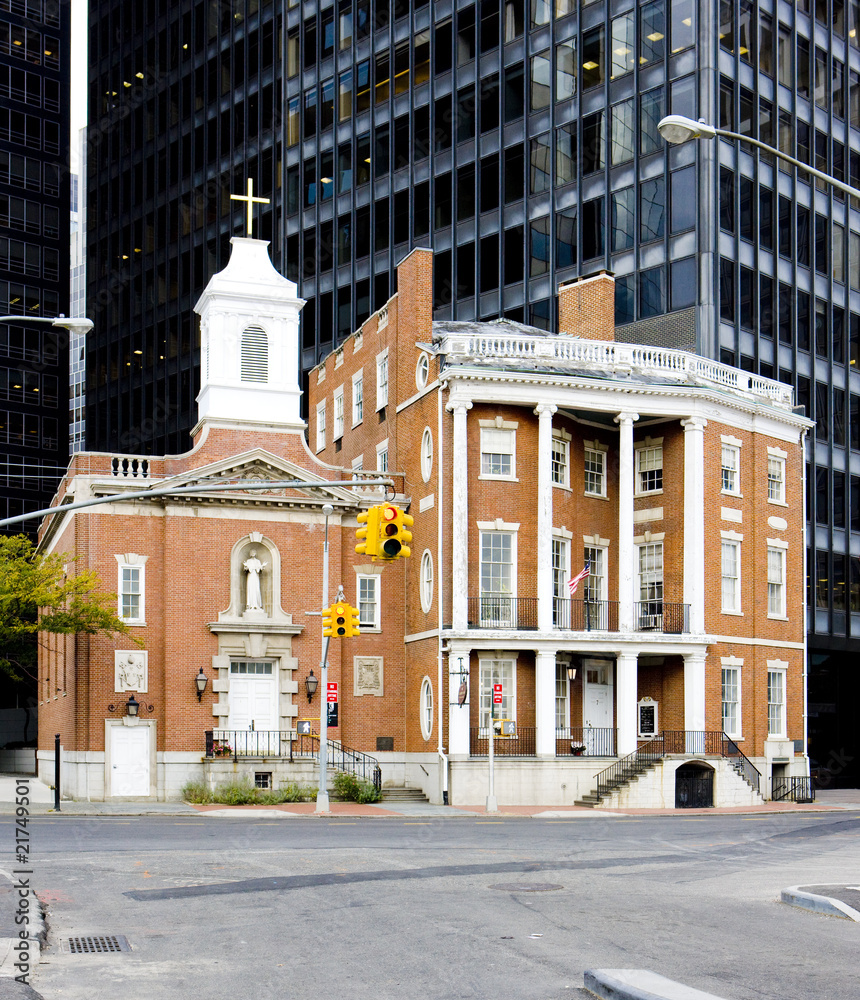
[(668, 617), (646, 754), (585, 616), (741, 763), (585, 741), (503, 611), (795, 789)]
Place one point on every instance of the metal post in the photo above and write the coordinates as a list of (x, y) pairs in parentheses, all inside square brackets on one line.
[(57, 773), (492, 804), (322, 792)]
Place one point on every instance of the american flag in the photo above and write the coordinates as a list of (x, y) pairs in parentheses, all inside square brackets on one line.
[(581, 575)]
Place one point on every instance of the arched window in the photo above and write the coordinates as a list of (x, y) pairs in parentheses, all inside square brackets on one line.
[(255, 355)]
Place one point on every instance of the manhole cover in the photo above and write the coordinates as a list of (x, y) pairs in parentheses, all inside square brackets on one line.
[(526, 886), (97, 944)]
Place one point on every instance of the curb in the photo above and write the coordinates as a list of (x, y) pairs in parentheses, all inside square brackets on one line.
[(795, 895), (639, 984)]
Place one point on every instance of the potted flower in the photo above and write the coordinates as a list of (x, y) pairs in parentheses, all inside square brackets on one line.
[(221, 749), (577, 749)]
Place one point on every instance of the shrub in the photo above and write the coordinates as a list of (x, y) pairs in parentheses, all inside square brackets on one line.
[(352, 789), (197, 792), (239, 792)]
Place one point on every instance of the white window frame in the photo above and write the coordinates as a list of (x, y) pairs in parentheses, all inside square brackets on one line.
[(562, 697), (426, 454), (595, 587), (495, 670), (730, 467), (504, 432), (425, 708), (367, 590), (731, 685), (657, 545), (503, 609), (123, 567), (357, 465), (646, 455), (560, 462), (382, 457), (321, 426), (382, 379), (422, 370), (560, 575), (776, 578), (777, 714), (730, 583), (358, 397), (338, 414), (594, 454), (776, 476), (425, 582)]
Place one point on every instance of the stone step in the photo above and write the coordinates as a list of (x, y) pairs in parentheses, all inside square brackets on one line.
[(403, 795)]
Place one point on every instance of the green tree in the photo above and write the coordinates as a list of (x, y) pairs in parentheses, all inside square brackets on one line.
[(37, 595)]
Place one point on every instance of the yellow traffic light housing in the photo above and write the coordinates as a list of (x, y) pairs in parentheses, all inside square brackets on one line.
[(393, 536), (340, 620), (352, 624), (368, 535)]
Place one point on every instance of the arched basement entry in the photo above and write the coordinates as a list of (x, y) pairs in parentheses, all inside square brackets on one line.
[(694, 786)]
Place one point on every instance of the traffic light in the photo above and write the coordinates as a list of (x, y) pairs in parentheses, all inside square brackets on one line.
[(340, 620), (370, 533), (393, 536)]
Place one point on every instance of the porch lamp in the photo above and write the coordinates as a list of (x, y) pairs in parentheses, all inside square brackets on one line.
[(311, 683), (201, 680), (133, 706), (571, 672)]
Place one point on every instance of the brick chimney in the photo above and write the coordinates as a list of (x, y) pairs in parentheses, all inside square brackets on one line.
[(586, 307)]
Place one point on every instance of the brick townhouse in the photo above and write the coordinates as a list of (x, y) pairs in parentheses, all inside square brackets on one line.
[(522, 458)]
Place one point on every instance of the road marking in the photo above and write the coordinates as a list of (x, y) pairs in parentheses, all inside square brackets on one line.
[(416, 824), (489, 822)]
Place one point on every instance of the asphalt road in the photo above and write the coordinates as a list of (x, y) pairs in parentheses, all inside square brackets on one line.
[(458, 908)]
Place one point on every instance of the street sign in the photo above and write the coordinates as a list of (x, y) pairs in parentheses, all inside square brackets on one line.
[(331, 691), (305, 727), (497, 694)]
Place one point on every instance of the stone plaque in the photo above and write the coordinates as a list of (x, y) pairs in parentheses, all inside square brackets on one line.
[(131, 670), (367, 676), (647, 717)]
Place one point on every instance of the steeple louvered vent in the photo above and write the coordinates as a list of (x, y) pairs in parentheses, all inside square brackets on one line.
[(255, 355)]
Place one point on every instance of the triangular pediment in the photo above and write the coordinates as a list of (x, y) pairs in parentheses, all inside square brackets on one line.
[(261, 466)]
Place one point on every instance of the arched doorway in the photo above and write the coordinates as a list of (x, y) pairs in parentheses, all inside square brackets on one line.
[(694, 786)]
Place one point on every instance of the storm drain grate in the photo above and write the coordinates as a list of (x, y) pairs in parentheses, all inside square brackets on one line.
[(97, 944)]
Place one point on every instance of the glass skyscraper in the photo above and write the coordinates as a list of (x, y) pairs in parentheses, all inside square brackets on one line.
[(518, 139), (34, 252)]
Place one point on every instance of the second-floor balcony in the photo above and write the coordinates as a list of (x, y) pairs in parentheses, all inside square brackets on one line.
[(502, 611)]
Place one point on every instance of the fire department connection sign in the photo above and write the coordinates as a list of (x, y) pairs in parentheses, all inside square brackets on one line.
[(331, 691), (497, 694)]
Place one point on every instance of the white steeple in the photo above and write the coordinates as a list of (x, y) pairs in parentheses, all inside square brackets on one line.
[(249, 342)]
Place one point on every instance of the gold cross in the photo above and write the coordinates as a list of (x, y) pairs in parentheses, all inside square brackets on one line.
[(249, 197)]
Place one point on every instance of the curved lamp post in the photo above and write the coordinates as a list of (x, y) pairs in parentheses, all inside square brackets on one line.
[(74, 324), (678, 128)]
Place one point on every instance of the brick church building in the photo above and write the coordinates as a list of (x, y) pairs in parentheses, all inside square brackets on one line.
[(524, 459)]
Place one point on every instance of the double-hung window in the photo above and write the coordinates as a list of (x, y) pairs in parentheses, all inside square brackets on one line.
[(730, 466), (560, 461), (731, 700), (776, 720), (595, 470), (560, 576), (649, 469), (775, 581), (498, 452), (321, 425), (650, 584), (382, 380), (562, 697), (357, 398), (776, 479), (496, 672), (338, 414), (730, 572), (497, 578), (368, 601), (131, 593), (594, 586)]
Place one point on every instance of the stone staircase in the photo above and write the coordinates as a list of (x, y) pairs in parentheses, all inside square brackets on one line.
[(632, 772), (401, 794)]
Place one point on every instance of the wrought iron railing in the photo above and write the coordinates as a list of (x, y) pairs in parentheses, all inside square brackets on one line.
[(585, 741), (619, 773), (661, 616), (521, 745), (503, 611), (585, 616), (798, 789), (740, 762), (290, 745)]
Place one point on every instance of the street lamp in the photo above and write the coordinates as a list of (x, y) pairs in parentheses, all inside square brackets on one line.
[(678, 128), (74, 324)]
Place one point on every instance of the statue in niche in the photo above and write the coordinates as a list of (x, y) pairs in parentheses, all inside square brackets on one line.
[(253, 592), (131, 673)]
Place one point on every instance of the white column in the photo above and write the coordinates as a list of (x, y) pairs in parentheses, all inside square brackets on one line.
[(545, 703), (458, 715), (626, 552), (694, 700), (544, 412), (460, 518), (626, 699), (694, 520)]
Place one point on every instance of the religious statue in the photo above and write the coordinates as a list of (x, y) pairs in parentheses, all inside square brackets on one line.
[(253, 594)]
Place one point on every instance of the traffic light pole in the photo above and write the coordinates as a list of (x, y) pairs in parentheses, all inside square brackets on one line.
[(322, 792)]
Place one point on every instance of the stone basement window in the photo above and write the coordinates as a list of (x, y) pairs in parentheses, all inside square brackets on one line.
[(262, 779)]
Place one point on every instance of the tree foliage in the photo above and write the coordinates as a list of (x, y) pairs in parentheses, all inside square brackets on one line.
[(38, 595)]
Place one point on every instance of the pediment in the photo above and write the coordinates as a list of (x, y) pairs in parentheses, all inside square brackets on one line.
[(259, 465)]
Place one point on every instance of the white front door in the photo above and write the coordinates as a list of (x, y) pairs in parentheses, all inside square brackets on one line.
[(253, 696), (597, 691), (129, 760)]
